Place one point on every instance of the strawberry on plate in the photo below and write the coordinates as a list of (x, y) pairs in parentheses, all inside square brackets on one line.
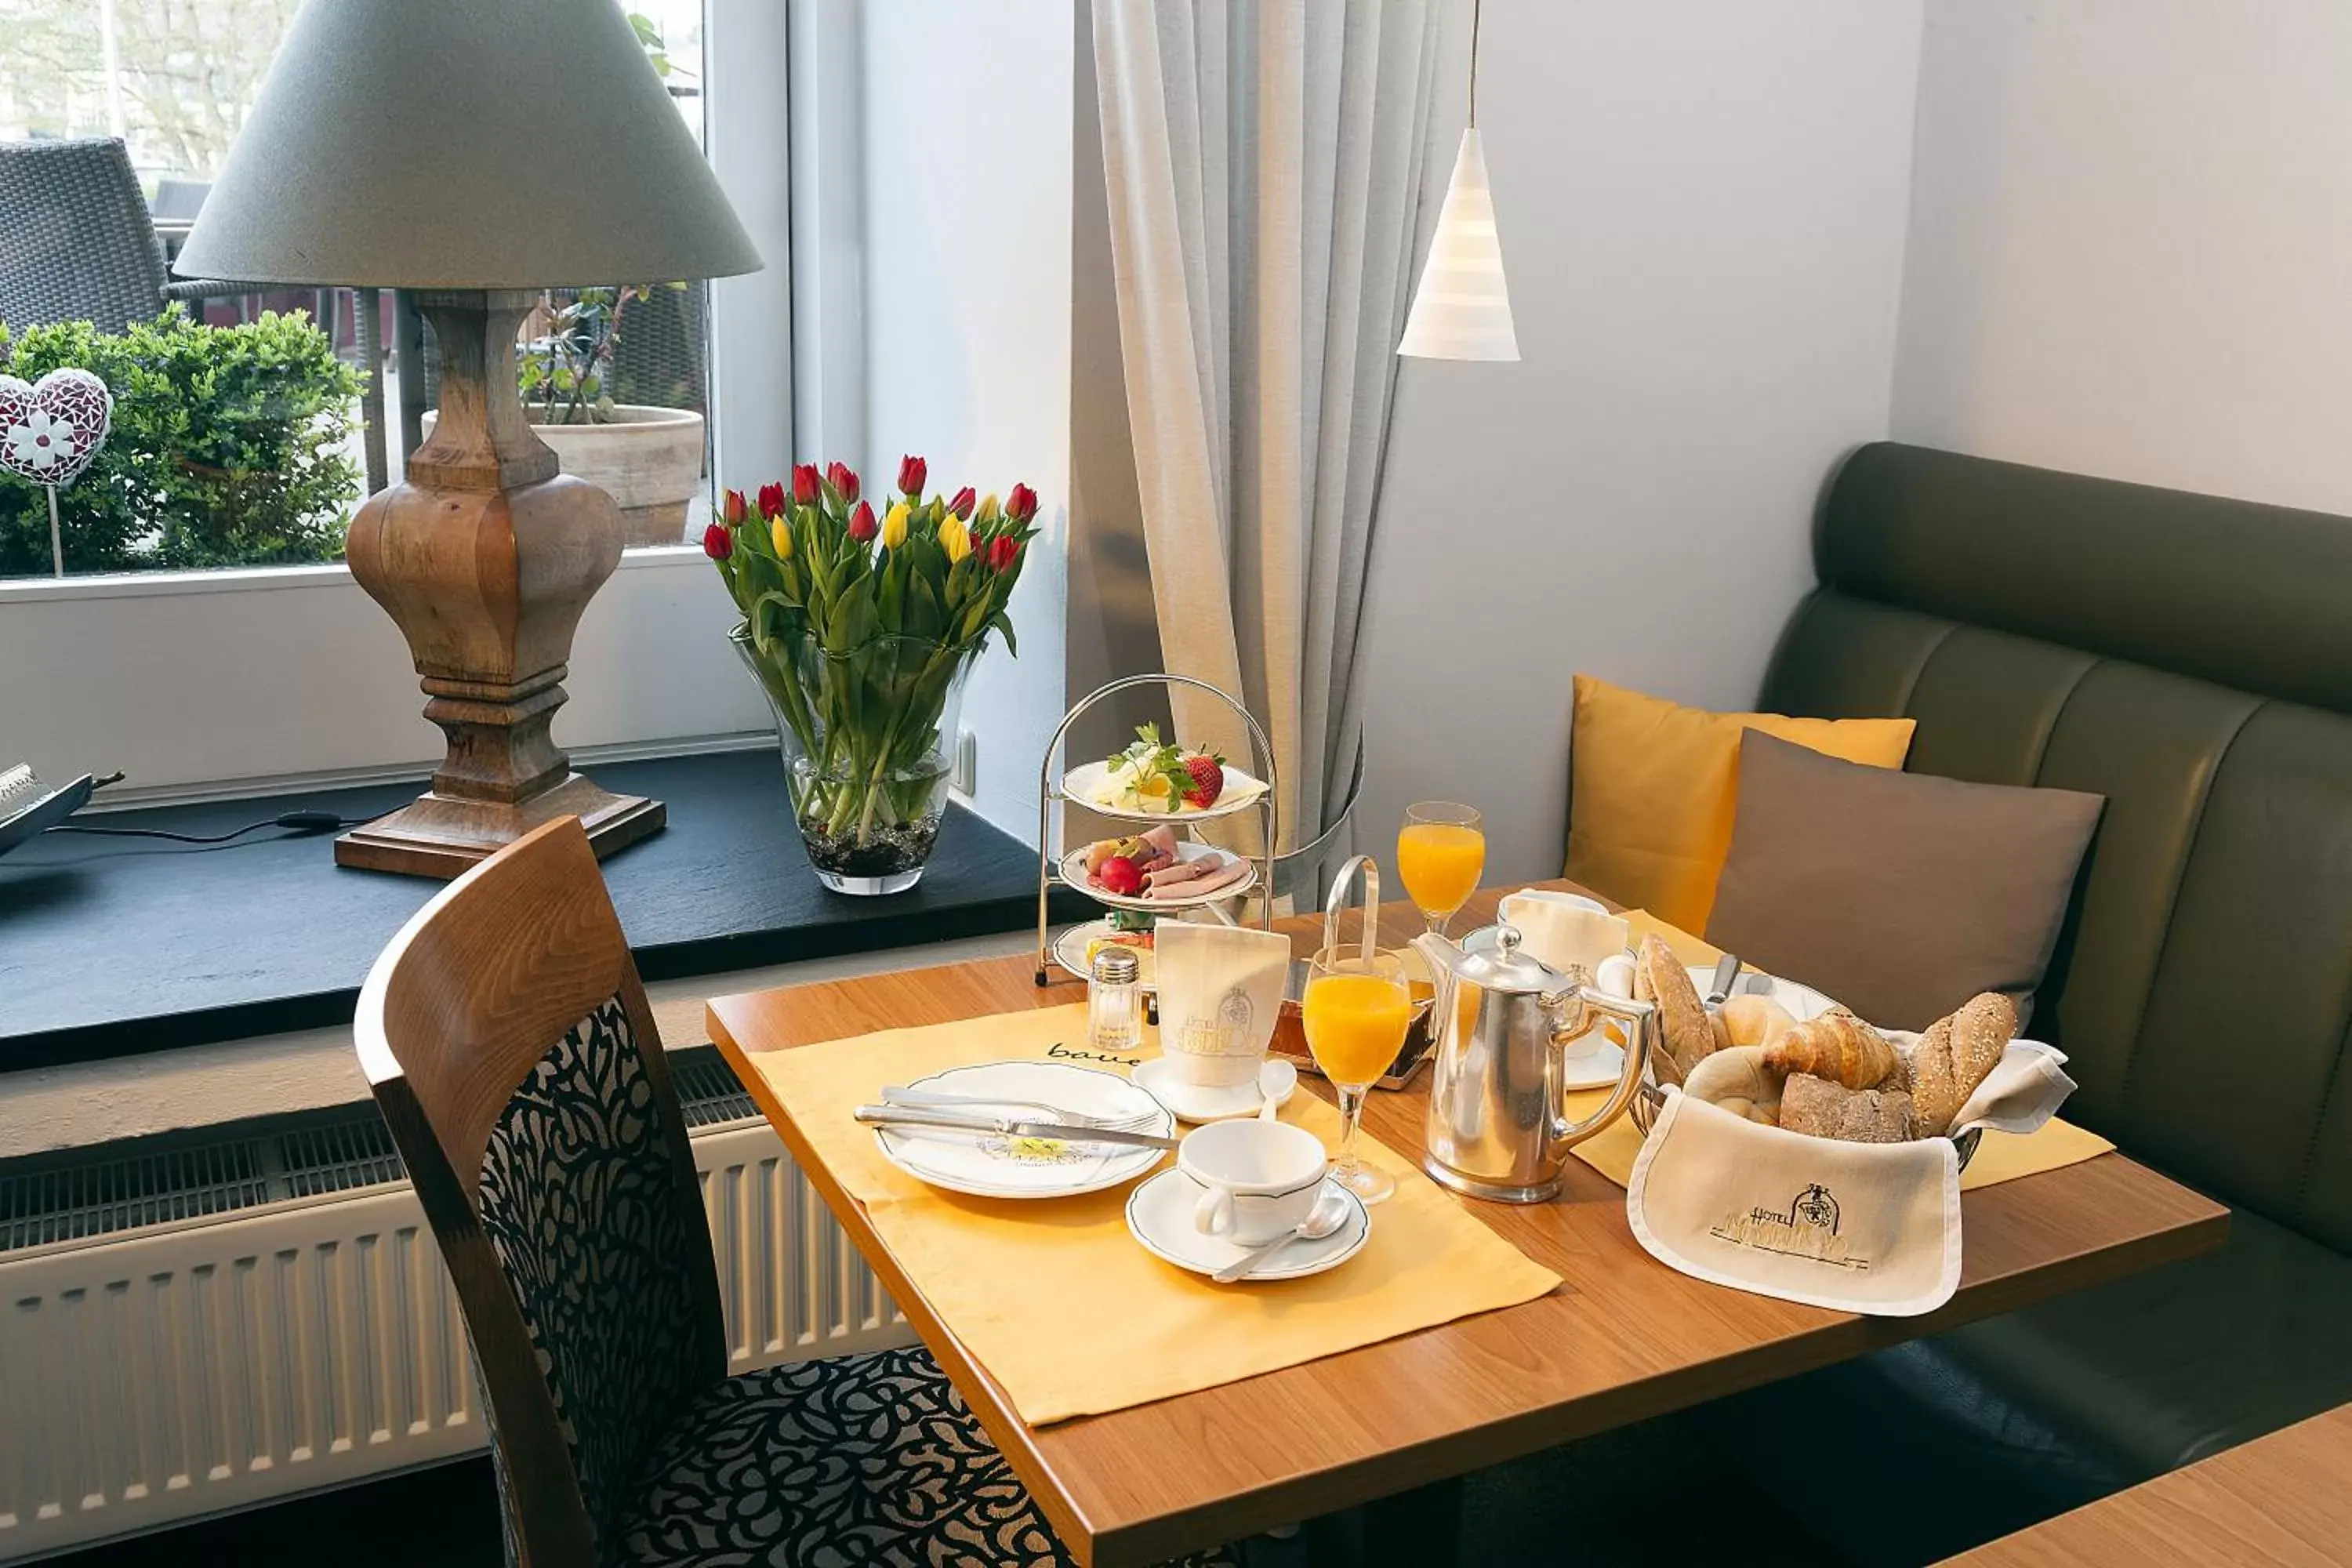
[(1204, 775)]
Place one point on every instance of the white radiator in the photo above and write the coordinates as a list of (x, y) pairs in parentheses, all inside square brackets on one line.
[(181, 1368)]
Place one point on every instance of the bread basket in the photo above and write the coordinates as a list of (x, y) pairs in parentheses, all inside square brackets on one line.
[(1803, 1002)]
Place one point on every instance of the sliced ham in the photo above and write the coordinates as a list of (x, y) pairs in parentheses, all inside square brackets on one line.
[(1198, 878), (1184, 872), (1163, 841)]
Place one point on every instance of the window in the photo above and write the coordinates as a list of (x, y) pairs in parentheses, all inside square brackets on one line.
[(242, 433), (270, 666)]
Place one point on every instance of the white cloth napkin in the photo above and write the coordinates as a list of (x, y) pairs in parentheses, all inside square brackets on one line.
[(1220, 997), (1561, 929), (1857, 1228)]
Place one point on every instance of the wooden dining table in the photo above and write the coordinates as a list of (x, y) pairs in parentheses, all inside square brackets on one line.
[(2279, 1501), (1624, 1338)]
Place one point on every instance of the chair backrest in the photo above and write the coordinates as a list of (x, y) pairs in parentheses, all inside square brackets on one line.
[(79, 244), (2190, 659), (511, 1048)]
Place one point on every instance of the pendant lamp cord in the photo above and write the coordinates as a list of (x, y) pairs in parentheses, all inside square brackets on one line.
[(1474, 64)]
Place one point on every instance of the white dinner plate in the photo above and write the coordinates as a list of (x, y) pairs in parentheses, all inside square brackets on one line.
[(989, 1165), (1804, 1004), (1159, 1218), (1081, 782), (1074, 872)]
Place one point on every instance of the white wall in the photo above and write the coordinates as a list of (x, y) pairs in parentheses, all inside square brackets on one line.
[(2131, 243), (1702, 210), (967, 117)]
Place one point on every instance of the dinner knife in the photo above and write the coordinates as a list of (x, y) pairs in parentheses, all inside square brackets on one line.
[(1726, 975), (1007, 1126)]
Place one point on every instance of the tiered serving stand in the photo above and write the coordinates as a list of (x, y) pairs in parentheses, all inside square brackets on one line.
[(1055, 861)]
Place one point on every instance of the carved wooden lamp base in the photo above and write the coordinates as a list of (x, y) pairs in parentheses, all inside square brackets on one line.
[(485, 557), (442, 836)]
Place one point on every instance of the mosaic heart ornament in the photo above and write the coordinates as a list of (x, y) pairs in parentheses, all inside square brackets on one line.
[(50, 429)]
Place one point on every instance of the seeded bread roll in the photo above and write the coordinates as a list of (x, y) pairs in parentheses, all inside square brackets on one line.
[(1820, 1109), (1954, 1056)]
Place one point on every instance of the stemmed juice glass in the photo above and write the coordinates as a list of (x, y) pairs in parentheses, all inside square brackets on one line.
[(1355, 1011), (1440, 850)]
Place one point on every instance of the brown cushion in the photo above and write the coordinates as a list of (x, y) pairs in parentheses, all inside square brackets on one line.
[(1900, 895)]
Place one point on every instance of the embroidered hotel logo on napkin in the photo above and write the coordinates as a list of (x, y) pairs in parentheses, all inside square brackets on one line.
[(1806, 1229)]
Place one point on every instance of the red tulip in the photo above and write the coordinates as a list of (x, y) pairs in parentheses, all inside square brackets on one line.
[(862, 526), (965, 499), (772, 500), (1002, 552), (844, 480), (912, 472), (804, 485), (717, 543), (731, 507), (1021, 504)]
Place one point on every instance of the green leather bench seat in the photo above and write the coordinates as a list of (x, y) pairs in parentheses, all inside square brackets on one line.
[(2191, 659)]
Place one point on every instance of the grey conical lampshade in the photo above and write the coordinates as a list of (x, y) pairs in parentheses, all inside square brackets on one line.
[(465, 144)]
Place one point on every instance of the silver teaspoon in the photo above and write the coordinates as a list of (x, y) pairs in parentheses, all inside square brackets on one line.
[(1330, 1213)]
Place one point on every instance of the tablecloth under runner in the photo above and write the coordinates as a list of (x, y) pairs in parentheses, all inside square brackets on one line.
[(1057, 1302), (2000, 1156)]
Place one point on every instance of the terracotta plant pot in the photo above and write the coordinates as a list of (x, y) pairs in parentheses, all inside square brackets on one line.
[(649, 460)]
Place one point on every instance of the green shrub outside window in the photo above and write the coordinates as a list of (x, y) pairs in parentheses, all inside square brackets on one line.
[(228, 447)]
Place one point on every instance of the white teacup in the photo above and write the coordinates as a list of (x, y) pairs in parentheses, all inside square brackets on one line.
[(1258, 1180)]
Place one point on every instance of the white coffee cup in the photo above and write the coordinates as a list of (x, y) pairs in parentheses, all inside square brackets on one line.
[(1258, 1180)]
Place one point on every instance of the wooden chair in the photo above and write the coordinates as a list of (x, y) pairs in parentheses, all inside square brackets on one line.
[(510, 1045)]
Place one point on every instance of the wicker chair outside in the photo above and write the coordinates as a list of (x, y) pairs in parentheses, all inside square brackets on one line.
[(81, 246)]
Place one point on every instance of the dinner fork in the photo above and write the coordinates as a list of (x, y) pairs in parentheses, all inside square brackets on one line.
[(939, 1101)]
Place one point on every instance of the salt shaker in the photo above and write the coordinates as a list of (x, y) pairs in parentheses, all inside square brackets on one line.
[(1115, 1001)]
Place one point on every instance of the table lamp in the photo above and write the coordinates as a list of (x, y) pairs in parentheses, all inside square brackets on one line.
[(474, 152)]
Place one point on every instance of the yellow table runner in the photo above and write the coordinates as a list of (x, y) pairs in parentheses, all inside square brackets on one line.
[(1057, 1301), (2000, 1156)]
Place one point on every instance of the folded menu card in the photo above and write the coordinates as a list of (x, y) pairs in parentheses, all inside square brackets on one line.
[(1057, 1302)]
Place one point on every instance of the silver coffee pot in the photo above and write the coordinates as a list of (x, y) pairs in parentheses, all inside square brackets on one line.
[(1497, 1122)]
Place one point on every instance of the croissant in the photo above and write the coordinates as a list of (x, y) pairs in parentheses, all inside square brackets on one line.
[(1684, 1032), (1954, 1056), (1836, 1045), (1752, 1020)]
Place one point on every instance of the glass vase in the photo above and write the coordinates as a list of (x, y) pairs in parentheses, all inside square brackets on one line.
[(868, 738)]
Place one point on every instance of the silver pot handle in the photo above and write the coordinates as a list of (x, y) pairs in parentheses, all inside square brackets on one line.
[(1641, 1021)]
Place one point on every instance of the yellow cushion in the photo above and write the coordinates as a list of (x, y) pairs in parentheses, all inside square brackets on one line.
[(1653, 788)]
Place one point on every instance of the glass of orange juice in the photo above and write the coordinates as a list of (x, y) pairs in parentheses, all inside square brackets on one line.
[(1440, 850), (1355, 1011)]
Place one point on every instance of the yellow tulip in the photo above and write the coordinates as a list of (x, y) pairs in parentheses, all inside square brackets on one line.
[(954, 538), (781, 535), (894, 527), (990, 509)]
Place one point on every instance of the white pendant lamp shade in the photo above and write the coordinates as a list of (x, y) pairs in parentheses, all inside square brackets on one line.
[(1463, 308)]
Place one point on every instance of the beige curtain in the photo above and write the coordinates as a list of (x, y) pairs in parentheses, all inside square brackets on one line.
[(1264, 168)]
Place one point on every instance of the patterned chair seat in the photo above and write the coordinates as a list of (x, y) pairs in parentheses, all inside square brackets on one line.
[(864, 1459)]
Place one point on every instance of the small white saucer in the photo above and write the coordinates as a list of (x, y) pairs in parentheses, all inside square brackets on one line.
[(1595, 1069), (1193, 1103), (1160, 1216)]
